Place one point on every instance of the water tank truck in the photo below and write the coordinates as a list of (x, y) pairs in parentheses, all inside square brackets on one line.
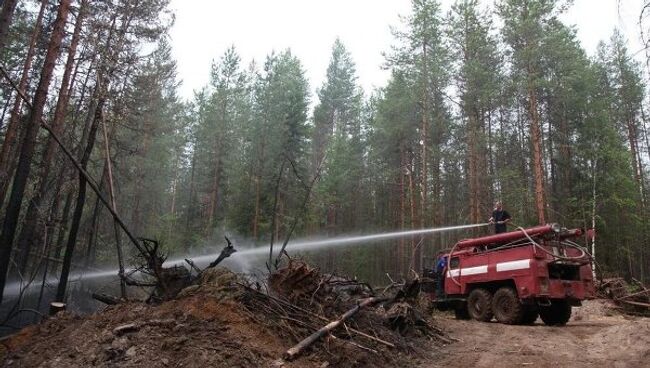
[(514, 276)]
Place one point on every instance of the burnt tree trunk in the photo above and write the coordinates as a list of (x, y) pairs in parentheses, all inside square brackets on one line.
[(29, 142), (79, 205), (63, 228), (7, 157), (30, 227)]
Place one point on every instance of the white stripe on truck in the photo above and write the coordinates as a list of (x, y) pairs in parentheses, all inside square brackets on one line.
[(513, 265), (467, 271)]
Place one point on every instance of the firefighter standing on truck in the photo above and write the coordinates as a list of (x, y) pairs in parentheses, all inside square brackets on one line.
[(500, 218)]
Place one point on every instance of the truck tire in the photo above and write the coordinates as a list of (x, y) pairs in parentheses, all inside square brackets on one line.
[(460, 312), (479, 305), (557, 314), (530, 315), (507, 307)]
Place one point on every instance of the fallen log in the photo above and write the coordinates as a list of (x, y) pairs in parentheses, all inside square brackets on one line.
[(130, 327), (106, 299), (643, 292), (295, 307), (640, 304), (133, 327), (297, 349)]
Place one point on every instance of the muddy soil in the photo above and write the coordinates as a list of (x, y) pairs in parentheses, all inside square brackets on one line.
[(205, 330), (595, 337), (221, 322)]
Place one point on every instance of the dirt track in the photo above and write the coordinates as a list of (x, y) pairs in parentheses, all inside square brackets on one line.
[(593, 338)]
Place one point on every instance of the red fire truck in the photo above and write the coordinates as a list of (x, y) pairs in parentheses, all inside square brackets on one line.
[(515, 276)]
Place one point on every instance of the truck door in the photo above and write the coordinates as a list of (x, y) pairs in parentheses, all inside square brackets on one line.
[(452, 277)]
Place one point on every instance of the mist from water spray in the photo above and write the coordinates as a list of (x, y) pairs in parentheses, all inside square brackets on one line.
[(336, 242), (243, 257)]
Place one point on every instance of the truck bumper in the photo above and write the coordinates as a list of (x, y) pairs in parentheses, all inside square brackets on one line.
[(575, 290)]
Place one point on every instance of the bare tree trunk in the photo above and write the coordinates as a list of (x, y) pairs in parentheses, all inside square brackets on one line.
[(275, 207), (7, 157), (565, 153), (190, 211), (593, 218), (116, 228), (637, 164), (29, 142), (6, 15), (472, 171), (172, 211), (258, 190), (480, 169), (538, 168), (412, 196), (137, 217), (214, 193), (63, 229), (81, 200), (5, 108), (424, 176), (93, 231), (402, 207), (30, 227)]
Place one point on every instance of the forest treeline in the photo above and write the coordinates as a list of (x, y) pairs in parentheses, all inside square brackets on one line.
[(483, 103)]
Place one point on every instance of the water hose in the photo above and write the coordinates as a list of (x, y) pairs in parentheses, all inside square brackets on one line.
[(566, 258), (582, 255)]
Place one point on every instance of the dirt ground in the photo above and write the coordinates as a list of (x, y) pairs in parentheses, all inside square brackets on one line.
[(211, 327), (217, 323), (595, 337)]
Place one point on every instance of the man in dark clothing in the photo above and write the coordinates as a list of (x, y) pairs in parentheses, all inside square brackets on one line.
[(441, 265), (500, 218)]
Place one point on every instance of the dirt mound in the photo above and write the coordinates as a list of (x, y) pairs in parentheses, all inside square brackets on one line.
[(223, 321)]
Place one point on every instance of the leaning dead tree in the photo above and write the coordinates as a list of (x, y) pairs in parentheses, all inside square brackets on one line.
[(308, 188)]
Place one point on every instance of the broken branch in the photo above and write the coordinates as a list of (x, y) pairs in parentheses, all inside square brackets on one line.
[(297, 349)]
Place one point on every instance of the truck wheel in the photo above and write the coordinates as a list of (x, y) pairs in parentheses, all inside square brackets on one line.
[(507, 307), (479, 305), (557, 314), (530, 315)]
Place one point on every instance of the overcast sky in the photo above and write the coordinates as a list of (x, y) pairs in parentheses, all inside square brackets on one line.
[(205, 28)]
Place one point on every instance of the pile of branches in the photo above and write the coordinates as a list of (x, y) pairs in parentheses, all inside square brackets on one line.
[(630, 297), (165, 283), (315, 309)]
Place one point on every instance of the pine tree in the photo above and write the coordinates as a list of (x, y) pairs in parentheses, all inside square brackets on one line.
[(525, 29), (478, 71), (337, 139)]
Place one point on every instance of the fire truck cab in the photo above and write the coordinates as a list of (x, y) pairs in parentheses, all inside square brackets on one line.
[(515, 276)]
